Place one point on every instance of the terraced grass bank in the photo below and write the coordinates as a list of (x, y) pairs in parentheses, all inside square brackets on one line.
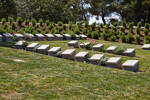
[(28, 75)]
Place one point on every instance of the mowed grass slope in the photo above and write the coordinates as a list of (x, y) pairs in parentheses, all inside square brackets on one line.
[(49, 78)]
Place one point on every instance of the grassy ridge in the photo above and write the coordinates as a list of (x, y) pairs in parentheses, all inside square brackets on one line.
[(45, 77)]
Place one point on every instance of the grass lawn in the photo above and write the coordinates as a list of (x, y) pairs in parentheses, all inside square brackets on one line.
[(49, 78)]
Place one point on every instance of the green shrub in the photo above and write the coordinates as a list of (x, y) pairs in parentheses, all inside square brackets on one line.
[(89, 35), (2, 30), (103, 61), (95, 35), (33, 21), (137, 30), (131, 24), (79, 24), (86, 23), (27, 21), (3, 20), (138, 39), (146, 31), (104, 35), (89, 47), (112, 33), (73, 36), (130, 38), (122, 29), (147, 26), (5, 26), (114, 28), (19, 21), (39, 30), (123, 39), (85, 30), (70, 25), (115, 24), (47, 22), (139, 24), (13, 26), (120, 50), (77, 31), (60, 23), (41, 22), (51, 26), (124, 24), (113, 38), (10, 31), (107, 26), (147, 39), (93, 26), (22, 31), (28, 29), (11, 20)]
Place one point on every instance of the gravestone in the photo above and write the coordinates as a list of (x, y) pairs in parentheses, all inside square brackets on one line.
[(29, 36), (32, 46), (111, 49), (19, 36), (58, 37), (39, 37), (73, 43), (84, 45), (21, 44), (49, 37), (114, 62), (82, 56), (98, 47), (83, 37), (53, 51), (131, 65), (69, 54), (96, 58), (146, 47), (43, 49), (8, 37), (67, 36), (1, 38), (129, 52)]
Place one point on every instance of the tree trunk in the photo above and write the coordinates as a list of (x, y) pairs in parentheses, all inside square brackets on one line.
[(103, 19)]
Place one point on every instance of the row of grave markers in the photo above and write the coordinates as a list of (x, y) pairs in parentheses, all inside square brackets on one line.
[(114, 62), (40, 37), (99, 47)]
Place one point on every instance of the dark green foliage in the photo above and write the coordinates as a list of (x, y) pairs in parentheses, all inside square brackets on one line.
[(95, 35), (3, 20), (123, 39), (103, 61), (89, 47), (86, 24), (33, 21), (85, 30), (124, 24), (27, 21), (146, 31), (137, 30), (2, 30), (139, 24), (138, 39), (120, 50), (104, 35), (113, 38), (41, 22), (147, 39), (13, 26), (51, 26), (147, 26), (47, 22), (79, 24), (122, 29), (77, 31), (89, 35), (130, 38), (114, 28), (70, 25), (11, 20), (115, 24), (5, 26), (93, 26), (131, 24), (60, 23), (19, 21)]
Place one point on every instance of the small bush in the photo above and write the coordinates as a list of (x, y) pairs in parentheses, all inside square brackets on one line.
[(85, 30), (5, 26), (70, 25), (147, 26), (41, 22), (146, 31), (27, 21), (33, 21), (137, 30), (138, 39), (2, 30), (13, 26), (103, 61), (73, 36), (77, 31), (64, 27), (120, 50), (147, 39), (139, 24), (47, 22), (122, 29), (79, 24), (89, 47), (11, 20), (89, 35), (93, 26), (60, 23), (95, 35), (115, 24), (130, 38), (3, 21), (124, 24), (19, 21), (51, 26), (123, 39), (114, 28), (104, 35), (113, 38), (86, 24), (131, 24)]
